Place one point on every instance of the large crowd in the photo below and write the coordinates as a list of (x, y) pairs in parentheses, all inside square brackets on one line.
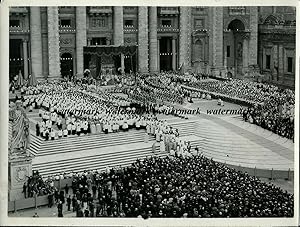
[(276, 114), (271, 107), (179, 186), (74, 110), (247, 90)]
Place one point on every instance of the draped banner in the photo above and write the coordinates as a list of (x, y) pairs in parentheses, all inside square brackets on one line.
[(105, 51)]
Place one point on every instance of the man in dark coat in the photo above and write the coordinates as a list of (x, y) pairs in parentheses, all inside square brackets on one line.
[(69, 203), (67, 189), (50, 199), (74, 203), (59, 209), (25, 190)]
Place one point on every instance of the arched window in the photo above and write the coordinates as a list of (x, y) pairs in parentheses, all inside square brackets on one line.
[(271, 20), (236, 25)]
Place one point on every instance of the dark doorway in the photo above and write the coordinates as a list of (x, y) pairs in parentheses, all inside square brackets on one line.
[(130, 63), (165, 53), (16, 62), (234, 45), (66, 63)]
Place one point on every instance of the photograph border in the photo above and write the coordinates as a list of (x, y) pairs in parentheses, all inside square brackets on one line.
[(4, 69)]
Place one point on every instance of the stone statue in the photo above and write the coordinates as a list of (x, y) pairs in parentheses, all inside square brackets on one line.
[(20, 137)]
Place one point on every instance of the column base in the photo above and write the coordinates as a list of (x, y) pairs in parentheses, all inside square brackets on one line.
[(19, 171)]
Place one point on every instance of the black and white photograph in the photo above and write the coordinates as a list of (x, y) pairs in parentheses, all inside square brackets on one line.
[(150, 113)]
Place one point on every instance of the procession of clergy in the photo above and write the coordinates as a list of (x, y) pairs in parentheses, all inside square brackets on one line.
[(67, 112)]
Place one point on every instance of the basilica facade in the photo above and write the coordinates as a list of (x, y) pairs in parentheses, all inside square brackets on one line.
[(51, 42)]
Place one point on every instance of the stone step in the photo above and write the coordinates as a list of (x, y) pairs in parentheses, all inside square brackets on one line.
[(100, 161), (87, 146)]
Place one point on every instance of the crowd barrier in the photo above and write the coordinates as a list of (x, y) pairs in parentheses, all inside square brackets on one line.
[(226, 98), (37, 201), (265, 173), (32, 202)]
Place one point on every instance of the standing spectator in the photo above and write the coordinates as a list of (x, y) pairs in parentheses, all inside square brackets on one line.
[(67, 189), (50, 200), (74, 203), (25, 190), (56, 195), (69, 203), (62, 197), (59, 209)]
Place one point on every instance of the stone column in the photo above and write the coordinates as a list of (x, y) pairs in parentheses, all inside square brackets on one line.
[(158, 54), (80, 38), (153, 45), (25, 59), (216, 39), (174, 53), (118, 31), (253, 35), (225, 57), (274, 64), (185, 37), (36, 42), (143, 39), (280, 62), (53, 43), (118, 26), (245, 55)]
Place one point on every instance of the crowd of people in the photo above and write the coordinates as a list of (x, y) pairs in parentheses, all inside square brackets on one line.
[(179, 186), (272, 108), (36, 186), (276, 114), (74, 110), (247, 90)]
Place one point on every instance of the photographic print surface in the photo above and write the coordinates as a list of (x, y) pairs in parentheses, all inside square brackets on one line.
[(151, 112)]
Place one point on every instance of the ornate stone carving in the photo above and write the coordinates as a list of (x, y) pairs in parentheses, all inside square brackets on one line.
[(20, 139), (21, 172), (67, 42), (127, 40), (245, 35)]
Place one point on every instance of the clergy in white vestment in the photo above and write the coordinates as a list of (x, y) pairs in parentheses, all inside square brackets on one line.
[(93, 128), (162, 146)]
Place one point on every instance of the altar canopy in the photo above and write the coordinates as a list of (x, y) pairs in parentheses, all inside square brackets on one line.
[(108, 60), (105, 51)]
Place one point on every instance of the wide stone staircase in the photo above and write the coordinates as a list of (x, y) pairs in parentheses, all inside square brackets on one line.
[(96, 152)]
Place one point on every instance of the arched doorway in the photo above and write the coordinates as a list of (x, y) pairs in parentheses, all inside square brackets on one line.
[(66, 64), (236, 47)]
